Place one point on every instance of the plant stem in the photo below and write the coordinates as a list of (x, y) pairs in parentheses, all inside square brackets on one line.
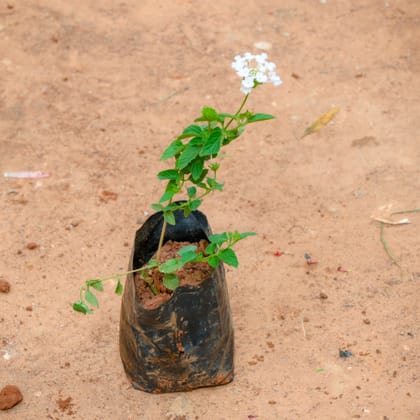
[(238, 111), (162, 235), (386, 246)]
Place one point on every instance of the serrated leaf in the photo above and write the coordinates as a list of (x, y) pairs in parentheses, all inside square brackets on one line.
[(191, 191), (228, 256), (195, 204), (218, 238), (197, 168), (322, 121), (192, 130), (81, 307), (97, 285), (91, 298), (211, 248), (188, 257), (171, 174), (119, 288), (169, 217), (214, 185), (186, 249), (213, 143), (157, 207), (209, 114), (170, 281), (172, 188), (166, 196), (187, 211), (170, 266), (173, 149), (260, 117), (213, 261), (188, 155)]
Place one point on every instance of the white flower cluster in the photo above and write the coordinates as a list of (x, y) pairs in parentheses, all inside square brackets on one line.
[(254, 69)]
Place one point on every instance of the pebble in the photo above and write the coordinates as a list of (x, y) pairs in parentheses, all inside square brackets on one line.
[(4, 286), (181, 408), (10, 395), (263, 45)]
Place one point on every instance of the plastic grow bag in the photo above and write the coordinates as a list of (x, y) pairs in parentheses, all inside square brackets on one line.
[(187, 342)]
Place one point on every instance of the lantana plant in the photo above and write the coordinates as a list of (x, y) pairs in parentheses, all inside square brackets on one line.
[(192, 176)]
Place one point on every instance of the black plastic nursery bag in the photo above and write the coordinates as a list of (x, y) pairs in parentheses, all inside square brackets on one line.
[(187, 342)]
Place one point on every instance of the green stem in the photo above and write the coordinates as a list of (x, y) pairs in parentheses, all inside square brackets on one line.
[(238, 111)]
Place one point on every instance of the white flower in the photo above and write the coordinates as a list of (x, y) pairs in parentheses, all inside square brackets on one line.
[(254, 69)]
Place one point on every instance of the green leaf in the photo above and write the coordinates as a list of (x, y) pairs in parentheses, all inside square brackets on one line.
[(246, 234), (191, 191), (97, 285), (169, 217), (223, 115), (82, 307), (214, 185), (211, 248), (260, 117), (171, 174), (91, 298), (195, 204), (218, 238), (119, 288), (186, 249), (173, 149), (208, 114), (172, 188), (229, 257), (170, 266), (166, 196), (191, 131), (213, 261), (197, 169), (157, 206), (188, 155), (214, 166), (170, 281), (213, 143), (188, 257), (151, 264)]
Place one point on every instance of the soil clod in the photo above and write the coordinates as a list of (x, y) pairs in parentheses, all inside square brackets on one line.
[(10, 395)]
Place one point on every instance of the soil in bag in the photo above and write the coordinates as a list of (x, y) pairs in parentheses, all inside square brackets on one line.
[(179, 340)]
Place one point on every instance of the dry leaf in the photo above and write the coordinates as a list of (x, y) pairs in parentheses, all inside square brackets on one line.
[(391, 222), (323, 120)]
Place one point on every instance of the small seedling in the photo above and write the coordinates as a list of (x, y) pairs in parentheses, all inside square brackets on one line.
[(193, 176)]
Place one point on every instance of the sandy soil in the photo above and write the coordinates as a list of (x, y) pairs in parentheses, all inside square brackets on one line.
[(93, 91)]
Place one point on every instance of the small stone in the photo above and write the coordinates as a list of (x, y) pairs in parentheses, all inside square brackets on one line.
[(366, 321), (4, 286), (181, 408), (106, 196), (263, 45), (345, 353), (323, 295), (32, 245), (10, 395)]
